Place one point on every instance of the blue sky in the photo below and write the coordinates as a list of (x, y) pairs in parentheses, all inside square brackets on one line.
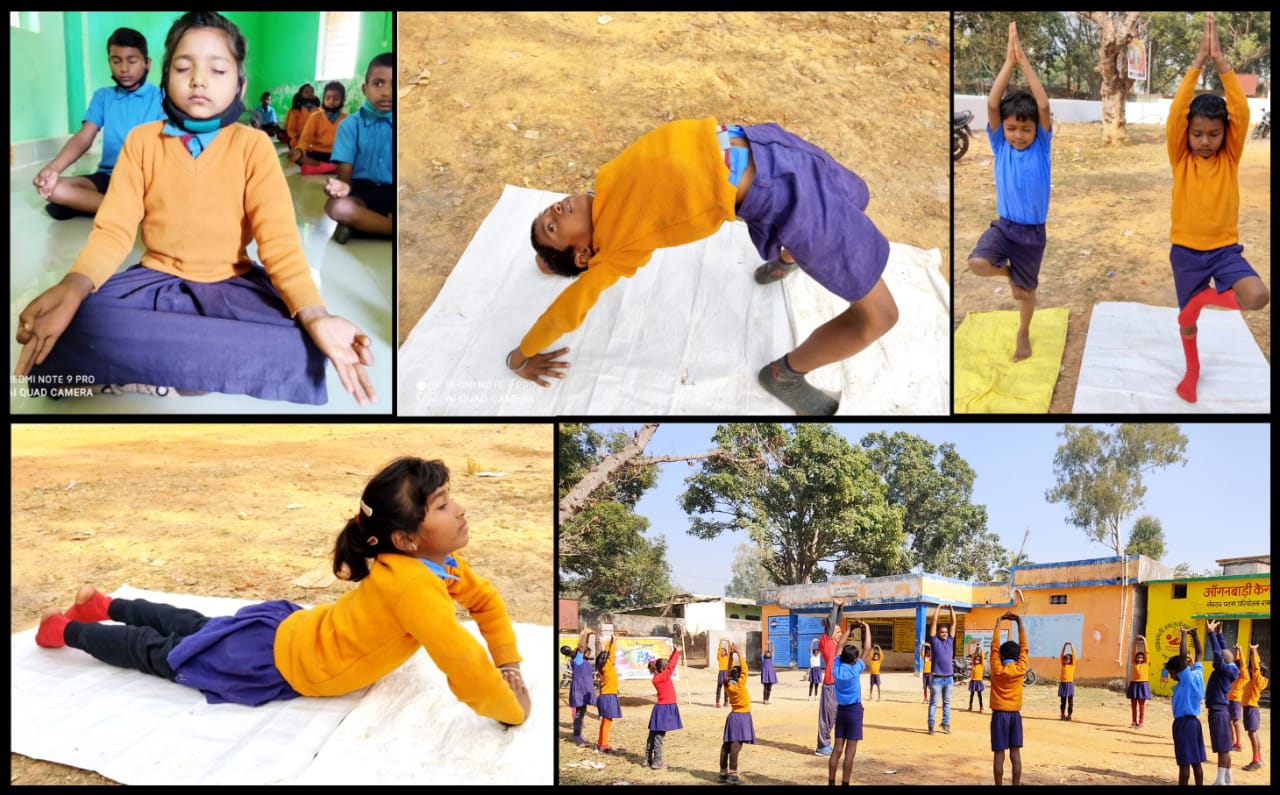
[(1216, 506)]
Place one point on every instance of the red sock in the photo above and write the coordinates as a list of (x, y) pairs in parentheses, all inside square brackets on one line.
[(1187, 388), (1206, 297), (92, 611), (49, 635)]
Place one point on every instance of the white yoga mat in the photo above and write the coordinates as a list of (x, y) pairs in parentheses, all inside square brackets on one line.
[(138, 729), (687, 335), (1133, 360)]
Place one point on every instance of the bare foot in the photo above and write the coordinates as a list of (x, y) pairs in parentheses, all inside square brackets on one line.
[(1023, 349)]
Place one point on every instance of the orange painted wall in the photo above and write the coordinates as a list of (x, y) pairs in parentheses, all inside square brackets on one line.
[(765, 612)]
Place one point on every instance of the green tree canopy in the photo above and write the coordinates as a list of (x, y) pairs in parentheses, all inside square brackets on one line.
[(749, 572), (1146, 538), (801, 491)]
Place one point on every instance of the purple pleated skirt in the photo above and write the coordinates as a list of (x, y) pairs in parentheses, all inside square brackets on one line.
[(1141, 690), (665, 718), (801, 198), (738, 728), (815, 676), (582, 689), (1066, 689), (608, 706), (234, 336), (232, 658), (768, 676)]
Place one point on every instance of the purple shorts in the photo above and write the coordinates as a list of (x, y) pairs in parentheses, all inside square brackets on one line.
[(738, 728), (1139, 690), (1192, 269), (927, 680), (849, 721), (1233, 707), (801, 198), (1006, 730), (1188, 741), (976, 686), (1021, 246), (875, 679), (608, 706), (1066, 689), (1220, 731), (1252, 719), (665, 718)]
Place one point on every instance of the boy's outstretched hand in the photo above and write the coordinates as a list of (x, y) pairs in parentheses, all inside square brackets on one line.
[(346, 346), (336, 188), (538, 366), (45, 318)]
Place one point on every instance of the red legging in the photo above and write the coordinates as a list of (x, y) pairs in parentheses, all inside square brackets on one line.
[(1139, 708)]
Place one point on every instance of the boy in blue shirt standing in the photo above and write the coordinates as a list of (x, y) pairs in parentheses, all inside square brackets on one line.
[(1224, 673), (115, 110), (1020, 129), (362, 195), (1188, 692), (847, 671)]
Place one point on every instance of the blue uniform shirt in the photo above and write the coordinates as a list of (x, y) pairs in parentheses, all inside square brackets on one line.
[(364, 141), (848, 681), (115, 112), (1224, 673), (1022, 178), (1189, 691)]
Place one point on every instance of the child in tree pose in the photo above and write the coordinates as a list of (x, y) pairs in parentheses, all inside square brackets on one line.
[(738, 728), (1205, 137), (976, 684), (1067, 682), (768, 676), (1258, 673), (678, 184), (1008, 667), (1020, 129), (665, 716), (1139, 688), (402, 547), (196, 314)]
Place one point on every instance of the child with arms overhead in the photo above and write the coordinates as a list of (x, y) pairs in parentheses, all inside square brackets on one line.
[(607, 702), (847, 671), (1139, 688), (1067, 682), (768, 675), (1008, 667), (197, 314), (1257, 682), (678, 184), (1020, 129), (738, 728), (582, 690), (362, 195), (402, 547), (976, 685), (1188, 693), (665, 716), (1216, 693), (115, 111), (873, 666), (1205, 137)]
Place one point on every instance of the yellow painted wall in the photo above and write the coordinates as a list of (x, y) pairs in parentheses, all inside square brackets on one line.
[(1238, 597)]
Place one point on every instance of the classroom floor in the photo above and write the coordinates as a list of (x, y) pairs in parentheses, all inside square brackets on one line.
[(355, 280)]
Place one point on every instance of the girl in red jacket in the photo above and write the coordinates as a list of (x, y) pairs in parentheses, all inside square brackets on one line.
[(666, 713)]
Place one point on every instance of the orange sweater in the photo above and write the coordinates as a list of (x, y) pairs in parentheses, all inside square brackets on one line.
[(400, 607), (668, 188), (1006, 680), (736, 691), (318, 133), (1254, 685), (294, 121), (198, 215), (609, 674), (1206, 192)]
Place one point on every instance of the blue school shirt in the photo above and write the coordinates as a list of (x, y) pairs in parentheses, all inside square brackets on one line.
[(1224, 673), (848, 681), (115, 112), (364, 141), (1022, 178), (1189, 691)]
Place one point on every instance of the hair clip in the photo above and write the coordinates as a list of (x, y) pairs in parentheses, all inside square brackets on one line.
[(365, 509), (372, 541)]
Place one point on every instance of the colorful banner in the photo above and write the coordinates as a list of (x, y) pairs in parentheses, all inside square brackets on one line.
[(631, 656), (1137, 56)]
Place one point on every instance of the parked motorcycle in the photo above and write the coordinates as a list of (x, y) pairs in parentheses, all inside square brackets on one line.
[(960, 133), (963, 665), (1263, 128)]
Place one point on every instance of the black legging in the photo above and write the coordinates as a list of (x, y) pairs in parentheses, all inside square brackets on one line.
[(977, 693), (1067, 705), (729, 755), (721, 686), (144, 645), (767, 688), (813, 688)]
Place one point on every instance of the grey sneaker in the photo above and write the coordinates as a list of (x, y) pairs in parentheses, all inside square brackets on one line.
[(774, 270), (791, 388), (823, 751)]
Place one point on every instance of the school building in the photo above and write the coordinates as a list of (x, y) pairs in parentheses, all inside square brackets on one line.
[(1240, 598), (1098, 605)]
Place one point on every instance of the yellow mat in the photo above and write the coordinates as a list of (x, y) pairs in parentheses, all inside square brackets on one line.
[(988, 381)]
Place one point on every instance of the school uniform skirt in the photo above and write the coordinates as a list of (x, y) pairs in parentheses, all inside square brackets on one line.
[(665, 718), (976, 686), (232, 658), (582, 691), (815, 676), (234, 336), (803, 199), (608, 706), (768, 676), (738, 728), (1139, 690), (1066, 689)]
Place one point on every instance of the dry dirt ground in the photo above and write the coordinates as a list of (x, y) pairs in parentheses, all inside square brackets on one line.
[(1108, 232), (542, 99), (1096, 748), (244, 511)]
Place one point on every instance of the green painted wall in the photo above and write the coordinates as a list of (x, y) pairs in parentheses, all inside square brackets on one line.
[(70, 50)]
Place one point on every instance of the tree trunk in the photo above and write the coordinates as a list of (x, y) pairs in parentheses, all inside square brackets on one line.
[(1113, 67), (576, 499)]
